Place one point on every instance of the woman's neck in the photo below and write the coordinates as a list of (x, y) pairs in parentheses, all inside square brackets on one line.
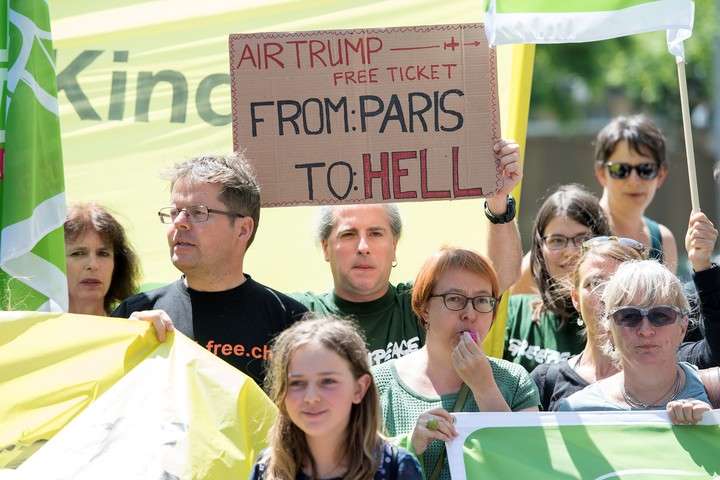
[(327, 453), (87, 307), (439, 368), (652, 384), (593, 364), (624, 220)]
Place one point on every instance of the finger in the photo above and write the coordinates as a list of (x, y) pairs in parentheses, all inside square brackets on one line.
[(675, 412), (443, 427), (438, 435), (702, 244), (461, 347), (500, 144), (686, 412), (707, 231), (157, 322), (698, 217), (506, 156), (167, 322), (510, 151), (441, 413), (472, 346), (698, 410), (506, 147), (509, 164), (435, 427)]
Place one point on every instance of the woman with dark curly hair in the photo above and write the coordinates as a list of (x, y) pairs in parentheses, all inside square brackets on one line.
[(102, 267)]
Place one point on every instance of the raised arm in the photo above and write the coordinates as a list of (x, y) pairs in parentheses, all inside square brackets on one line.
[(504, 245), (700, 242)]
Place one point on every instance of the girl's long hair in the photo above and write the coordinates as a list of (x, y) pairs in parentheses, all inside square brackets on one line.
[(288, 449)]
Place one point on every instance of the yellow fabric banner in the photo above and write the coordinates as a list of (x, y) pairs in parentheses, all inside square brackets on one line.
[(121, 402)]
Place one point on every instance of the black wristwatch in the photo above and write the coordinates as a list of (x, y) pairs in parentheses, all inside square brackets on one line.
[(504, 218)]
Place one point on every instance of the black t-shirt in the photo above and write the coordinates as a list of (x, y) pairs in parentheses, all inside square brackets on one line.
[(556, 381), (237, 325), (704, 352)]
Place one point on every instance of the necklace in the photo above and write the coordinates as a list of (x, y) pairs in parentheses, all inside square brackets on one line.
[(660, 403)]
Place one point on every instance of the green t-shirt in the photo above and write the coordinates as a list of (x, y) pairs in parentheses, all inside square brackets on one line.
[(531, 343), (389, 324), (401, 406)]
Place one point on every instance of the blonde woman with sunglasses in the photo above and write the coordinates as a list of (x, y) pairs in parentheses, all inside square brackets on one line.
[(599, 259), (645, 319)]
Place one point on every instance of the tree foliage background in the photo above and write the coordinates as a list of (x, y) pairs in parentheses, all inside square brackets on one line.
[(574, 80)]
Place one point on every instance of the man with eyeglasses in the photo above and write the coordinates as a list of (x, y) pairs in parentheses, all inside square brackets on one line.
[(630, 164), (359, 244), (212, 220)]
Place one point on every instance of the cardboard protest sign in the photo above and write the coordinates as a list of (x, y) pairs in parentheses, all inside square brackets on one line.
[(373, 115)]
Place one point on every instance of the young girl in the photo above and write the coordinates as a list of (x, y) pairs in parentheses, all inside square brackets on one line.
[(328, 409)]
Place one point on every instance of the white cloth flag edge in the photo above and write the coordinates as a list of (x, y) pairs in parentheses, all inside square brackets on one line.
[(675, 16)]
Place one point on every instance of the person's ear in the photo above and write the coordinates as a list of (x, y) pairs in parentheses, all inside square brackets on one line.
[(325, 248), (245, 228), (424, 315), (361, 387), (601, 174), (575, 296), (684, 325), (662, 175)]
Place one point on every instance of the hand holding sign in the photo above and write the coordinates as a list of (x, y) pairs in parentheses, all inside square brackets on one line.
[(700, 241), (507, 153), (435, 424)]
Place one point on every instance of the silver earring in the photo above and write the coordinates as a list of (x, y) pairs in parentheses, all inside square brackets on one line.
[(394, 263)]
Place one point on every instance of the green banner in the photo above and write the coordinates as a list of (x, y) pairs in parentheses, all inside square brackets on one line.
[(32, 197), (597, 445)]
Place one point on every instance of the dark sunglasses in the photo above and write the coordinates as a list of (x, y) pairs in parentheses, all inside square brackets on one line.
[(646, 171), (659, 316), (624, 241)]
